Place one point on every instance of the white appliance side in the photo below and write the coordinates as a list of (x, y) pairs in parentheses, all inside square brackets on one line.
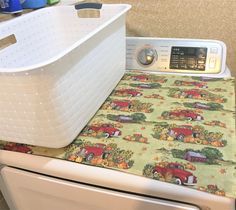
[(113, 179), (33, 191)]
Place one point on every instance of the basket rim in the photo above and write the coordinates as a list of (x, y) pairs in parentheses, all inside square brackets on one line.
[(67, 50)]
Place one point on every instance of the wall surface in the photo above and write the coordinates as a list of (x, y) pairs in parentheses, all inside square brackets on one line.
[(206, 19)]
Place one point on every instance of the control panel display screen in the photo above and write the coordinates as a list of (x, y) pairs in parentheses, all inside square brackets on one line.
[(188, 58)]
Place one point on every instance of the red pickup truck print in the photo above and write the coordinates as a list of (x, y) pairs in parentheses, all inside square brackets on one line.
[(186, 114), (189, 83), (180, 133), (181, 176), (98, 150), (197, 84), (128, 92), (107, 130), (194, 93), (16, 147), (121, 104)]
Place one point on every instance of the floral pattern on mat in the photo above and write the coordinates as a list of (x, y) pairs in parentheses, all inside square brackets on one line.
[(175, 129)]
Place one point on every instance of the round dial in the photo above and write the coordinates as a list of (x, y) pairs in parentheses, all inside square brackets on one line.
[(147, 56)]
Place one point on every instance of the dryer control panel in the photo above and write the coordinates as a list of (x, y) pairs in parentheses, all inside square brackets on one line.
[(184, 56)]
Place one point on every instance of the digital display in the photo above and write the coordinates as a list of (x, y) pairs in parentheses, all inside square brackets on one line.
[(188, 58)]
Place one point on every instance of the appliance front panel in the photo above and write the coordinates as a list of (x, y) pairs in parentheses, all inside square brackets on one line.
[(33, 191), (185, 56)]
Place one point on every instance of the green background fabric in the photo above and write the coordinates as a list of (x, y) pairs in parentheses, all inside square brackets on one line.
[(176, 129)]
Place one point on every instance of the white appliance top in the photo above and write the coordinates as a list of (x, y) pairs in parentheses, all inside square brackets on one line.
[(114, 179)]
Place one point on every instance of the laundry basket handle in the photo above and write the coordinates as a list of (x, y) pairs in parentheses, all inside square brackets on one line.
[(7, 41), (88, 6)]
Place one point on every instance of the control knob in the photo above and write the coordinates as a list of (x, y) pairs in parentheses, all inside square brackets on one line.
[(146, 56)]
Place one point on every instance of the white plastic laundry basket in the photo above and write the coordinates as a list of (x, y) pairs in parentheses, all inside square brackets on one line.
[(58, 73)]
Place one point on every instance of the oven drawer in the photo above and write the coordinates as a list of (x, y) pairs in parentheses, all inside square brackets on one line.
[(29, 191)]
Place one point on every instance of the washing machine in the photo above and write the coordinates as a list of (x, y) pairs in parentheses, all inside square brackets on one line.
[(32, 182)]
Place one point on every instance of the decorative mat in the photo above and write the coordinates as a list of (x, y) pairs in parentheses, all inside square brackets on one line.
[(175, 129)]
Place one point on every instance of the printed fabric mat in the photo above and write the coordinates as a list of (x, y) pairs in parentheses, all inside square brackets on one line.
[(175, 129)]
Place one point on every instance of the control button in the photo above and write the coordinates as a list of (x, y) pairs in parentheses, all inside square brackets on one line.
[(212, 63), (201, 61), (174, 66), (191, 66), (214, 50), (147, 56), (201, 67), (183, 66)]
